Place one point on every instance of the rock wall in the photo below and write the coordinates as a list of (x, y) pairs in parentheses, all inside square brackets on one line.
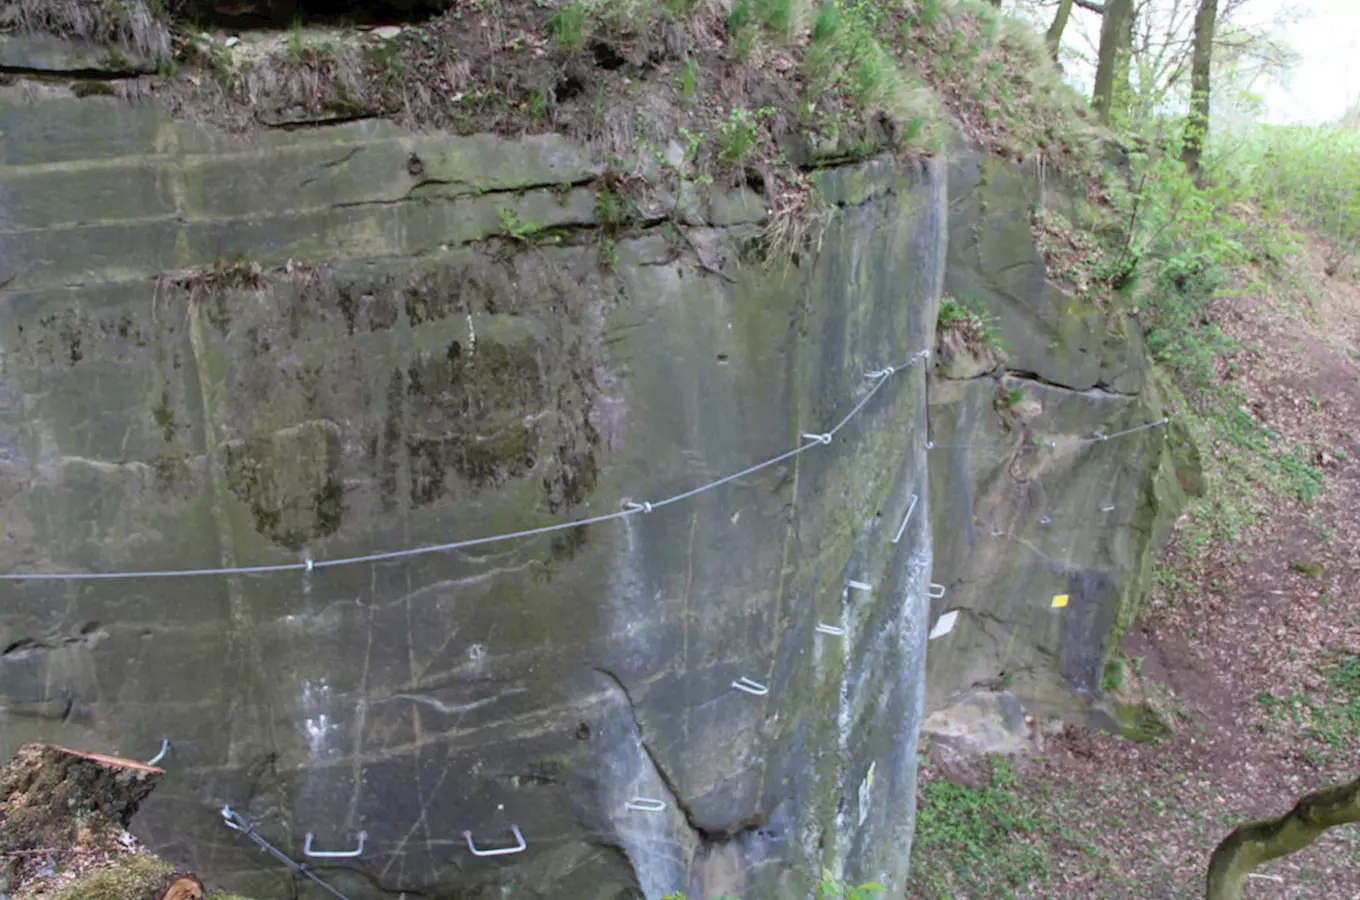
[(1045, 552), (319, 344)]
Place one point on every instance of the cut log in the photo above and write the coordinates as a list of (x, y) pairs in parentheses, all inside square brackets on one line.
[(179, 886), (55, 797)]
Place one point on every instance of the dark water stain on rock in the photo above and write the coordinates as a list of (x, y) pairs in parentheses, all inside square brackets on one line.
[(473, 412), (165, 417), (566, 544), (291, 481)]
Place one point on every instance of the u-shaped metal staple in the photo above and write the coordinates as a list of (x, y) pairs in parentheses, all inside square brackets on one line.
[(334, 854), (165, 747), (860, 585), (911, 507), (645, 804), (750, 687), (833, 630), (499, 851), (936, 591)]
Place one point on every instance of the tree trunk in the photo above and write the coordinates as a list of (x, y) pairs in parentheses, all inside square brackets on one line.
[(1116, 32), (1055, 31), (1251, 844), (59, 798), (1197, 126)]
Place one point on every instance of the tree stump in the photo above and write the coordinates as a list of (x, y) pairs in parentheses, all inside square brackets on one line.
[(54, 797), (179, 886)]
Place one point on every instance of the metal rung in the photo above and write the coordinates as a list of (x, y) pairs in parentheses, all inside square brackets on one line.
[(645, 804), (750, 687), (936, 591), (832, 630), (334, 854), (859, 585), (905, 519), (499, 851)]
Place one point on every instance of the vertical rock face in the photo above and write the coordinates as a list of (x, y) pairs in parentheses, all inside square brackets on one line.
[(228, 354), (1044, 551)]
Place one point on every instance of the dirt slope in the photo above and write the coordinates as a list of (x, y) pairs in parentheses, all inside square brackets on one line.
[(1250, 645)]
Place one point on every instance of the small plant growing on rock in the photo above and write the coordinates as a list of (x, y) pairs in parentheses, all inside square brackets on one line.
[(969, 322), (568, 25), (512, 227), (737, 135)]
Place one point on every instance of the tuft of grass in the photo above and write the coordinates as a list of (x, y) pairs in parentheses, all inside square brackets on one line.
[(737, 135), (688, 77), (679, 10), (827, 23), (512, 227), (969, 317), (569, 25), (128, 27)]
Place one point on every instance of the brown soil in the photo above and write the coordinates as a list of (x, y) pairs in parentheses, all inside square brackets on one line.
[(1248, 625), (1116, 818)]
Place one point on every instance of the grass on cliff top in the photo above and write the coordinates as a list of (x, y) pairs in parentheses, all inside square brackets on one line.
[(132, 27), (753, 92)]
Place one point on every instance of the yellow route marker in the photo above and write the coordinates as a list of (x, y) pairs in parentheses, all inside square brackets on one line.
[(1059, 601)]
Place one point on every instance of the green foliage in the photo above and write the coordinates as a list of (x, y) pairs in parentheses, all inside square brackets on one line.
[(776, 16), (1182, 235), (569, 24), (928, 12), (127, 879), (736, 135), (675, 10), (1309, 174), (687, 81), (969, 316), (512, 227), (741, 29), (977, 842), (614, 211), (827, 23), (851, 67), (1329, 715), (296, 45)]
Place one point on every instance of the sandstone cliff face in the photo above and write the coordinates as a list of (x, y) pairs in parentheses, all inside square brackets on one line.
[(1018, 525), (230, 353)]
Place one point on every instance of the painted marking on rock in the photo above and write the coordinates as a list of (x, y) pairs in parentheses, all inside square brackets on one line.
[(1059, 601), (944, 624), (865, 788)]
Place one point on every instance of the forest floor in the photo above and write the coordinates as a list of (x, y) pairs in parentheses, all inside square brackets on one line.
[(1252, 636)]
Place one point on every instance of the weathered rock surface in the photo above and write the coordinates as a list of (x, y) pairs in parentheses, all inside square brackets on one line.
[(1017, 526), (220, 352)]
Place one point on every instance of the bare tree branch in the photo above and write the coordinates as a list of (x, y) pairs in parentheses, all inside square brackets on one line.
[(1251, 844)]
